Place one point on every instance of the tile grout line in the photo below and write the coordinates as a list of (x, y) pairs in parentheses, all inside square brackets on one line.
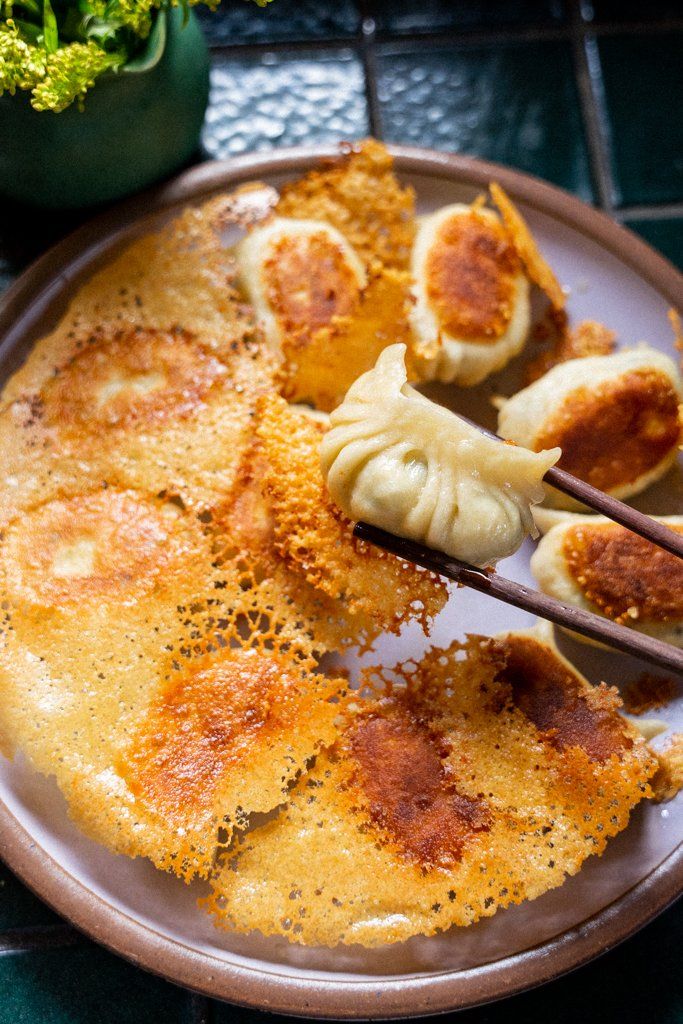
[(589, 85), (564, 33), (655, 211), (198, 1009), (368, 57)]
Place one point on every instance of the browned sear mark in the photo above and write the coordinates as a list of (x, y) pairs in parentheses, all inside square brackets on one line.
[(205, 721), (614, 433), (649, 693), (551, 697), (411, 794), (470, 272), (627, 577), (308, 281), (589, 338)]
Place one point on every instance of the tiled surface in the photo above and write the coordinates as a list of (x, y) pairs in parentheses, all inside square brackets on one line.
[(499, 80), (284, 100), (84, 985), (665, 234), (515, 103), (609, 11), (396, 17), (19, 908), (238, 22), (643, 75)]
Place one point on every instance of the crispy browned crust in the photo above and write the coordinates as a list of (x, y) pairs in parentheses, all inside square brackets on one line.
[(440, 802), (536, 267), (308, 282), (552, 696), (135, 376), (323, 368), (588, 338), (359, 195), (470, 274), (614, 433), (627, 577), (649, 693), (316, 540), (668, 779), (404, 777)]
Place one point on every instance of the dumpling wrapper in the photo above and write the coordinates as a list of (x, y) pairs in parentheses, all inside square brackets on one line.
[(600, 567), (298, 275), (396, 460), (125, 674), (471, 311), (476, 779), (616, 419)]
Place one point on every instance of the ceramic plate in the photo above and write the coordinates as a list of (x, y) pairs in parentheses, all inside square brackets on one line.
[(152, 918)]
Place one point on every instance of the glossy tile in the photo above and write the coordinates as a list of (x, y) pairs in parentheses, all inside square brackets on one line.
[(284, 100), (514, 103), (666, 235), (617, 11), (237, 21), (403, 16), (84, 985), (643, 83), (19, 908)]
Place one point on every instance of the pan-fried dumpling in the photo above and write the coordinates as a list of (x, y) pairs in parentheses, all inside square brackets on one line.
[(601, 567), (616, 419), (394, 459), (481, 776), (471, 313), (298, 274)]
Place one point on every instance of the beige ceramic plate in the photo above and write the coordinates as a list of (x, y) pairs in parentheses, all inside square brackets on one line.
[(151, 918)]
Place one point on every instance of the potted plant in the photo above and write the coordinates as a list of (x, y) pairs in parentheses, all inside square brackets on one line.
[(98, 98)]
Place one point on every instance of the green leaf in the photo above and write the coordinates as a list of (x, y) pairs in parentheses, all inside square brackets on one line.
[(50, 31)]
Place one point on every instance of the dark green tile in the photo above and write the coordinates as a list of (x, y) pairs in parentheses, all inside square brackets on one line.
[(399, 17), (6, 277), (515, 103), (284, 100), (643, 80), (639, 982), (19, 908), (665, 235), (84, 985), (237, 21), (616, 11)]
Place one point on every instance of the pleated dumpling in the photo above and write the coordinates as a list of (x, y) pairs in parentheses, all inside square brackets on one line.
[(298, 275), (394, 459), (601, 567), (471, 311), (616, 418)]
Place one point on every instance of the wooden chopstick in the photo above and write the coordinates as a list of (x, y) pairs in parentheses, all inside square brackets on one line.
[(594, 626), (612, 508)]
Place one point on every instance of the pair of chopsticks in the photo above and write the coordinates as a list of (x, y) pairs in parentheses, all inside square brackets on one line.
[(594, 626)]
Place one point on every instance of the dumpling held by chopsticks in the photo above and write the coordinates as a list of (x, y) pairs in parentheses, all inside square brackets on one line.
[(396, 460)]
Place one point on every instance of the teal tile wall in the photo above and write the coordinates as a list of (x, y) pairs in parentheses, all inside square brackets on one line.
[(84, 985), (665, 234), (515, 103), (643, 75), (398, 18), (236, 23), (284, 100), (19, 908)]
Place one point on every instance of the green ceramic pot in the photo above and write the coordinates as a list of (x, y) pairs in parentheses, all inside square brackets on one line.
[(137, 126)]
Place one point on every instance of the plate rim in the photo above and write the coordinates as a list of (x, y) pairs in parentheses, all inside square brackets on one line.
[(378, 997)]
